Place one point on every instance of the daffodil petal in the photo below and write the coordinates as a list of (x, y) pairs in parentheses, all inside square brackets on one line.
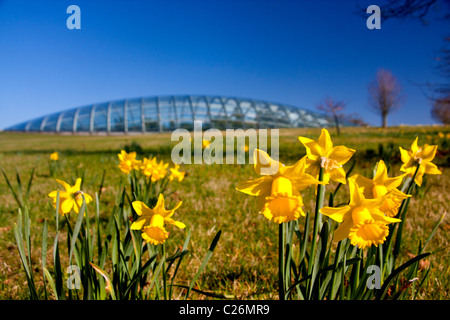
[(431, 168), (313, 149), (343, 230), (325, 142), (304, 180), (67, 205), (335, 213), (264, 164), (64, 184), (405, 156), (141, 208), (178, 224), (257, 187), (139, 223), (338, 175), (428, 153), (341, 154)]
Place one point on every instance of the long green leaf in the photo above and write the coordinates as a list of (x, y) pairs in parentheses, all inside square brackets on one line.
[(433, 231), (205, 261), (380, 295), (44, 251), (27, 193), (23, 258), (50, 281), (76, 229), (110, 287), (12, 189)]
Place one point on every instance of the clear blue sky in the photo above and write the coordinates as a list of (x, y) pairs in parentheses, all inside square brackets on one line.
[(293, 52)]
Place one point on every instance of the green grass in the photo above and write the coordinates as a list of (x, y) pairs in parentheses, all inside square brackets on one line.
[(244, 263)]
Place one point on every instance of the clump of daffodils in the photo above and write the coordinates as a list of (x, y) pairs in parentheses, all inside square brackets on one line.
[(373, 205), (149, 167), (382, 186)]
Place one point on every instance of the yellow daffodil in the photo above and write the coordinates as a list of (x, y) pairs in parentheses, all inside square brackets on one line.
[(176, 174), (322, 154), (278, 189), (419, 156), (361, 220), (128, 161), (159, 171), (205, 143), (70, 198), (147, 167), (154, 170), (54, 156), (151, 221), (382, 186)]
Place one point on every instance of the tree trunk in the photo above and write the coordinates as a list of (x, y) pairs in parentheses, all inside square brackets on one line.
[(384, 120), (338, 129)]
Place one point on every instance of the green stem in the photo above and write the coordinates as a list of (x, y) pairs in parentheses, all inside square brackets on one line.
[(163, 246), (402, 213), (281, 289), (317, 222)]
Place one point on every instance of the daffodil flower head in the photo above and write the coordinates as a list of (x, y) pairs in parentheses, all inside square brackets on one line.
[(159, 171), (361, 220), (54, 156), (152, 221), (382, 186), (176, 173), (322, 154), (422, 156), (128, 162), (278, 188), (147, 167), (71, 198)]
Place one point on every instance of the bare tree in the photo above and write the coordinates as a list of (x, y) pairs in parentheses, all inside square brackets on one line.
[(441, 110), (424, 11), (334, 109), (411, 9), (356, 119), (384, 94)]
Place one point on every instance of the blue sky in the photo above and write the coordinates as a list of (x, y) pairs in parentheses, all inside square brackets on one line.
[(293, 52)]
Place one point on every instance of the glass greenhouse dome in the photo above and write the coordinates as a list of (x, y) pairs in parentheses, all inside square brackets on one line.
[(167, 113)]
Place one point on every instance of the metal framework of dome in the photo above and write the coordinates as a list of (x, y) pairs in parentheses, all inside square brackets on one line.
[(167, 113)]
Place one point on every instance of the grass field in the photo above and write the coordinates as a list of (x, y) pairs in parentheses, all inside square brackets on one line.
[(244, 264)]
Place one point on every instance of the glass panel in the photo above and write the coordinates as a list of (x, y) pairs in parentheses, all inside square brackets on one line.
[(35, 125), (50, 123), (83, 120), (101, 118), (151, 115), (185, 113), (117, 116), (134, 115), (169, 118), (66, 124)]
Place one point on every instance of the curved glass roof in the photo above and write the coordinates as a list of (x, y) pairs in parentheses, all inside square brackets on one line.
[(167, 113)]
